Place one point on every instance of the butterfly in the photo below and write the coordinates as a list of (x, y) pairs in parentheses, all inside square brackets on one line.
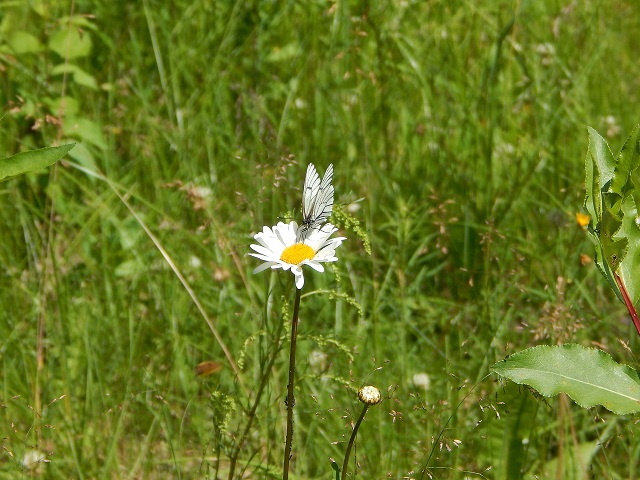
[(317, 201)]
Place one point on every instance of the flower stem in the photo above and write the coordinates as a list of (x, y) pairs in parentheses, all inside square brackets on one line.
[(347, 454), (628, 302), (290, 400)]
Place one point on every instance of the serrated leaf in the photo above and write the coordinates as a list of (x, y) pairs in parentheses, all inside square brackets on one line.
[(32, 160), (587, 375)]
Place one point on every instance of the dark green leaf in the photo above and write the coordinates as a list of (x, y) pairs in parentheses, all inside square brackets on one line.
[(32, 160), (589, 376)]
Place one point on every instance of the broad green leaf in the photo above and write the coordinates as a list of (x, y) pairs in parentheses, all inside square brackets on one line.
[(85, 79), (80, 76), (23, 42), (84, 157), (70, 43), (130, 268), (32, 160), (284, 53), (86, 130), (589, 376), (81, 21), (66, 105)]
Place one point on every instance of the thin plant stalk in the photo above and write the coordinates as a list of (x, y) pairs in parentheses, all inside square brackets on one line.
[(628, 302), (290, 401), (352, 440)]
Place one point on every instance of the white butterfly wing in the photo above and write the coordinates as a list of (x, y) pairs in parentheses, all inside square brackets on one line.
[(311, 188), (317, 199), (323, 204)]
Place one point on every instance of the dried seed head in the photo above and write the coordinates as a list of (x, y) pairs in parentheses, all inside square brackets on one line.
[(369, 395)]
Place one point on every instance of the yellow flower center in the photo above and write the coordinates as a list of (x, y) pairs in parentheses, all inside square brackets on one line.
[(296, 254)]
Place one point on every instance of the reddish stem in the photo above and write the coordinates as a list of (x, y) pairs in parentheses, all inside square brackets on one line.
[(628, 302)]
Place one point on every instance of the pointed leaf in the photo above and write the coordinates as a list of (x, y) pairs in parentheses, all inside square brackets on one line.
[(601, 155), (589, 376), (613, 201), (628, 168), (605, 221), (32, 160)]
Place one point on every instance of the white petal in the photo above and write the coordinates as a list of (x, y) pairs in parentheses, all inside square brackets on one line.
[(281, 238), (300, 281), (260, 239), (326, 259), (314, 264), (262, 267), (322, 239), (329, 247), (325, 251), (286, 233), (263, 251), (266, 231), (263, 258), (320, 236)]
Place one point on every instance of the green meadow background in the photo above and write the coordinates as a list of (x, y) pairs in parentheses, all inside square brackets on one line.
[(457, 130)]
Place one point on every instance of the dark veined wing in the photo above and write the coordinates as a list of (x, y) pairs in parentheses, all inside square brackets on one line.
[(310, 192), (323, 201), (317, 200)]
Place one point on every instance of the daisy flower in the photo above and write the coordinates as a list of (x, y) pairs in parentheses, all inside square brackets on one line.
[(278, 248)]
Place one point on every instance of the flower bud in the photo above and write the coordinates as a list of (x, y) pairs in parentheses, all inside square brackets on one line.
[(369, 395)]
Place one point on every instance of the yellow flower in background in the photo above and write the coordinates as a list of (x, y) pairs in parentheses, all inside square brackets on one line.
[(582, 219)]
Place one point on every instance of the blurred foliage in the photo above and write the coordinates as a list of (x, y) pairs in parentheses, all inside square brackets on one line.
[(457, 134)]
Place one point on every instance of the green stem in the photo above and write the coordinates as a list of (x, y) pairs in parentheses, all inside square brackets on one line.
[(628, 302), (352, 440), (290, 400)]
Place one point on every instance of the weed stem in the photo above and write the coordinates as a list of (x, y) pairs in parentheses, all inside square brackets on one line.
[(347, 454)]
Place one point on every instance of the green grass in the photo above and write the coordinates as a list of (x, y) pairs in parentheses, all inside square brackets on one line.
[(457, 128)]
